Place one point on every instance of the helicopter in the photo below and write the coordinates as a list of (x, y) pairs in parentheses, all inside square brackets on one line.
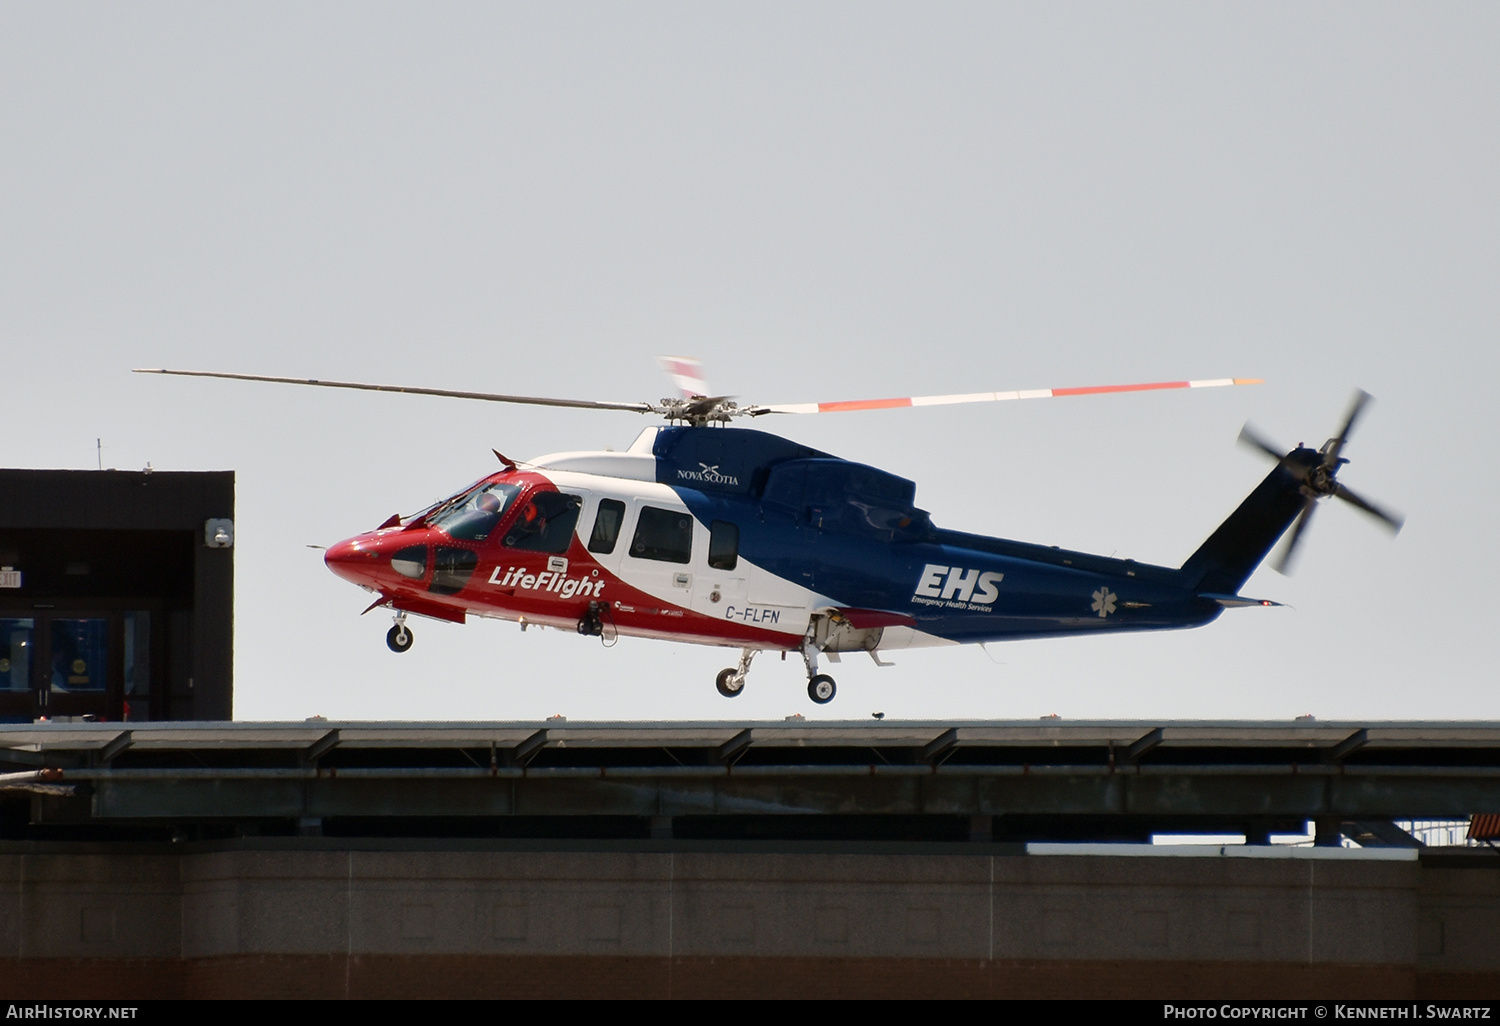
[(710, 534)]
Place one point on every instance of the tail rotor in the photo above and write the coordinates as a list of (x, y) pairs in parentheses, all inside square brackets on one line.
[(1317, 472)]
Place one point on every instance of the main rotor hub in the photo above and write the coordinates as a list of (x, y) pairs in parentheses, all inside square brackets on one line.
[(700, 410)]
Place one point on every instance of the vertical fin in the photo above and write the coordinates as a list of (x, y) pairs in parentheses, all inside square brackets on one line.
[(1230, 555)]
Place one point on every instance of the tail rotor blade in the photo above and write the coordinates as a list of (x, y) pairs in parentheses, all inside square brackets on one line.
[(1391, 520), (1252, 439), (1360, 401), (1284, 562), (1316, 478)]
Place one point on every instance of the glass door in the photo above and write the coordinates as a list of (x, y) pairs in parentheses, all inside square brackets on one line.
[(76, 663), (80, 674), (17, 652)]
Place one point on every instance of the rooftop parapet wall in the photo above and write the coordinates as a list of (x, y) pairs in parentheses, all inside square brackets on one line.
[(1381, 926)]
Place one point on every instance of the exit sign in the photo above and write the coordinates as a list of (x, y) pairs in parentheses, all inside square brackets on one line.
[(9, 578)]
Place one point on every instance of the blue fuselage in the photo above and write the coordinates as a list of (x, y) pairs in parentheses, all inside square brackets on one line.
[(850, 533)]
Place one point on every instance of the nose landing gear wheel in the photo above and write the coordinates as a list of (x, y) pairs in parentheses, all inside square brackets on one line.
[(821, 689), (728, 685), (398, 638)]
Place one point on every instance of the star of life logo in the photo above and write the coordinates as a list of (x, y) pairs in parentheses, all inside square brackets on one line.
[(1104, 602), (708, 475), (956, 587)]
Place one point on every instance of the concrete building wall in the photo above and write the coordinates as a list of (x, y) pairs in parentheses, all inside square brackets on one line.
[(335, 923)]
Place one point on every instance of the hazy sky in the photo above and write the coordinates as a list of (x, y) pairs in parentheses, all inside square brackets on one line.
[(822, 201)]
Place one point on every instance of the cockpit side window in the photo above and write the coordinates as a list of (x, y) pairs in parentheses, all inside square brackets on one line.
[(607, 526), (545, 523), (452, 568), (475, 515)]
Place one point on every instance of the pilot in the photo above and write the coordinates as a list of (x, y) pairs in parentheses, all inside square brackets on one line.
[(529, 524), (488, 502)]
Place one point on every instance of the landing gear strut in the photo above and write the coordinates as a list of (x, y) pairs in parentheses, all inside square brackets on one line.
[(399, 637), (820, 686), (731, 681)]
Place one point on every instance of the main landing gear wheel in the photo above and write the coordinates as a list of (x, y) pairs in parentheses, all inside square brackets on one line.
[(730, 683), (398, 638), (821, 689), (731, 680)]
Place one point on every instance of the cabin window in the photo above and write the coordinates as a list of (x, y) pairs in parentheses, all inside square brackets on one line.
[(664, 534), (723, 545), (545, 523), (451, 570), (607, 526)]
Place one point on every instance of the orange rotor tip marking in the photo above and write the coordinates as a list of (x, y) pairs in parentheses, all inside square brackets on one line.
[(863, 404), (1149, 386)]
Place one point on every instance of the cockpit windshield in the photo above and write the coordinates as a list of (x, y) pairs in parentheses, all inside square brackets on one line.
[(472, 516)]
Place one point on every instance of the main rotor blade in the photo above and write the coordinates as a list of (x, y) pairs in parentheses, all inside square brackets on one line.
[(1284, 561), (990, 397), (1394, 522), (1361, 399), (575, 404), (1253, 439), (686, 373)]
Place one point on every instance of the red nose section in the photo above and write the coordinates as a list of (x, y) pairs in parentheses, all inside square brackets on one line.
[(353, 559)]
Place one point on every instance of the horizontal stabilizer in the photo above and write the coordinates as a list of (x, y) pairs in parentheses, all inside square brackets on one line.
[(1236, 601)]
